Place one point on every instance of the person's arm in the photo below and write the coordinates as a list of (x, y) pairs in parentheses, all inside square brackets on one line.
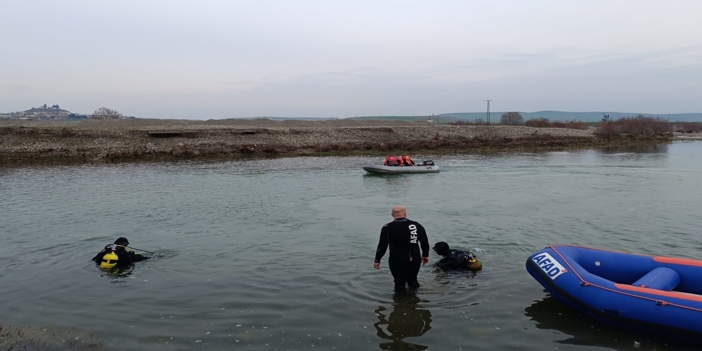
[(98, 257), (424, 242), (382, 246), (125, 257), (137, 257)]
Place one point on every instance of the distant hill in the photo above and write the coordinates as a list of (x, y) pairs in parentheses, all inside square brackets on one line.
[(42, 112), (399, 118), (51, 110), (571, 116), (54, 112), (290, 118)]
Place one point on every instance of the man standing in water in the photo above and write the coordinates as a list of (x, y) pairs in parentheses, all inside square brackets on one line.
[(404, 237)]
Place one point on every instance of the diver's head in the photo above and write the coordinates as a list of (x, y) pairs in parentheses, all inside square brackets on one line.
[(109, 260), (122, 241), (442, 248), (399, 212)]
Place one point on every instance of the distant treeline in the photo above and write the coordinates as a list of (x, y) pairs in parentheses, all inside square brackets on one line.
[(575, 116), (608, 128)]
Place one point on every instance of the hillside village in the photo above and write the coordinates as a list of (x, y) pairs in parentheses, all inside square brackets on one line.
[(45, 112), (54, 112)]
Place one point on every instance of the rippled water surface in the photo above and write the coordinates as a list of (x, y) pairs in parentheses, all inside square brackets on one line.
[(277, 254)]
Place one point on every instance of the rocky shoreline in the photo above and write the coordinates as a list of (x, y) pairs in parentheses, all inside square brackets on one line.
[(23, 142)]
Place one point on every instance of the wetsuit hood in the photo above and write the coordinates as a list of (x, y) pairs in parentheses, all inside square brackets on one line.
[(442, 248)]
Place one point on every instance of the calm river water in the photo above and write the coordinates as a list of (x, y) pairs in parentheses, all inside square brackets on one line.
[(277, 254)]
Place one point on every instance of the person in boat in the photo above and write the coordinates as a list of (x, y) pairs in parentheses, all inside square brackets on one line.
[(456, 259), (391, 160), (117, 255), (405, 238), (406, 161)]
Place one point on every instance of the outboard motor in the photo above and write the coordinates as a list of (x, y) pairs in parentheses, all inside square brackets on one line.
[(428, 163)]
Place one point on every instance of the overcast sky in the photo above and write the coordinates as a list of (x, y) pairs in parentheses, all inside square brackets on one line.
[(209, 59)]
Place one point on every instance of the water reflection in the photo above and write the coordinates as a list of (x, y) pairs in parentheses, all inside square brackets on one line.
[(117, 274), (407, 318), (637, 149), (647, 156), (578, 329), (442, 275), (552, 315), (396, 185)]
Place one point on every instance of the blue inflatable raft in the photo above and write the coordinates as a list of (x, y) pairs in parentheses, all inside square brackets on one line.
[(650, 293)]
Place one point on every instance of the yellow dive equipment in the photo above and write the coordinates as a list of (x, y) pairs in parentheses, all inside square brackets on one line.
[(475, 265), (109, 260)]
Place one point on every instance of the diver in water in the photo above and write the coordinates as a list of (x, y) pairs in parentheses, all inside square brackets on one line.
[(405, 238), (456, 259), (117, 255)]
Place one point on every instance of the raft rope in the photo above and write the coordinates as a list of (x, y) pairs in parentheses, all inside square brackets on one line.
[(584, 282)]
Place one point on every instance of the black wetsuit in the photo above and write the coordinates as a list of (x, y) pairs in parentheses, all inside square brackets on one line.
[(125, 257), (455, 260), (404, 237)]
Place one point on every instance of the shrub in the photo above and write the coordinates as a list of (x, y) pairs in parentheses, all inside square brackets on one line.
[(538, 122), (512, 118), (105, 113), (545, 123), (687, 127), (634, 126), (607, 130)]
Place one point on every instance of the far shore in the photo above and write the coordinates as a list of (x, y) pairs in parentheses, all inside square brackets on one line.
[(27, 142)]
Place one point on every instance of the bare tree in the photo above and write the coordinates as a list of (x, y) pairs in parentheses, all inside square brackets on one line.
[(105, 113), (512, 118)]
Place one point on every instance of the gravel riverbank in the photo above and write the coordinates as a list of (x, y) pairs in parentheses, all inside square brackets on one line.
[(144, 139)]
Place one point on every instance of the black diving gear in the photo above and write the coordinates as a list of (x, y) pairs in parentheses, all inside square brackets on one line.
[(117, 255), (405, 237), (456, 259)]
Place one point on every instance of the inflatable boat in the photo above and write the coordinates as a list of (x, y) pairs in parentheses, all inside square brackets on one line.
[(425, 167), (649, 293)]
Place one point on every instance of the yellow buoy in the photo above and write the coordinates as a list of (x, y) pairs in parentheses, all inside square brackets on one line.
[(109, 260)]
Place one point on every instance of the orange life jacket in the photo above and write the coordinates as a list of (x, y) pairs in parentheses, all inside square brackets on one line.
[(391, 161)]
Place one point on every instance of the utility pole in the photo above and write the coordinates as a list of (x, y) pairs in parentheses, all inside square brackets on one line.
[(488, 112)]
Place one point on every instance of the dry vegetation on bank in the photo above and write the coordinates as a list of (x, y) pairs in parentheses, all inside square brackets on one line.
[(145, 139)]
